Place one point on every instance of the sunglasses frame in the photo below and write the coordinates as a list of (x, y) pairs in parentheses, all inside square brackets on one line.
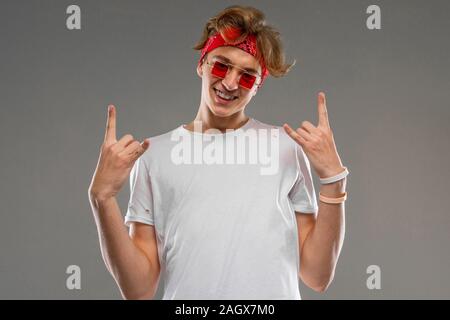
[(213, 61)]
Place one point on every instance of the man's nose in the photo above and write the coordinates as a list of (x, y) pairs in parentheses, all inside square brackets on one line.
[(231, 80)]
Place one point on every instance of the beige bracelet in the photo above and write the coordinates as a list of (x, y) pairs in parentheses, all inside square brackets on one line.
[(333, 200)]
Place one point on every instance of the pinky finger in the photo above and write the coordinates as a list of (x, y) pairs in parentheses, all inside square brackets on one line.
[(145, 144), (136, 153)]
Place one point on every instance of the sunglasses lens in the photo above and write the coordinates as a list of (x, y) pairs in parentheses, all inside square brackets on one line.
[(247, 80), (219, 69)]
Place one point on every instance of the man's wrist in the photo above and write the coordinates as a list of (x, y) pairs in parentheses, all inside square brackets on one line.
[(331, 172), (335, 189)]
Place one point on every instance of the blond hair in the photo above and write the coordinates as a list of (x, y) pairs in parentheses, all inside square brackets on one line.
[(249, 20)]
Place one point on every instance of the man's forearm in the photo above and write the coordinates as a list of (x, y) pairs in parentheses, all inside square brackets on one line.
[(128, 264), (323, 244)]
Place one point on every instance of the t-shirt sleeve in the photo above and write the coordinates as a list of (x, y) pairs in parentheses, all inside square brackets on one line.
[(140, 205), (302, 194)]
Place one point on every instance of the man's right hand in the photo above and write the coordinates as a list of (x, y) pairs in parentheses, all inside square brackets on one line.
[(115, 161)]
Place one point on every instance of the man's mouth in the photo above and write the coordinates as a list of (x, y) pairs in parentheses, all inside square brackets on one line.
[(224, 96)]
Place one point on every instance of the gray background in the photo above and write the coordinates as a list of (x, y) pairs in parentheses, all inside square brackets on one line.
[(387, 94)]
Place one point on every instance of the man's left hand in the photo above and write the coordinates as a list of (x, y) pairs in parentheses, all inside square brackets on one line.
[(318, 143)]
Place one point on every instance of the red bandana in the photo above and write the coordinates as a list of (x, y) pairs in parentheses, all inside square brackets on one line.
[(248, 45)]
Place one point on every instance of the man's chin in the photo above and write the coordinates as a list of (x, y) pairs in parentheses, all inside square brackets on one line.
[(221, 111)]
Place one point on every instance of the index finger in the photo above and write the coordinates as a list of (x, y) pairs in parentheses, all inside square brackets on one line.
[(322, 109), (110, 134)]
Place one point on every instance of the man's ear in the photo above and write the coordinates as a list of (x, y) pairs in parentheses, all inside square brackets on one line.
[(200, 70)]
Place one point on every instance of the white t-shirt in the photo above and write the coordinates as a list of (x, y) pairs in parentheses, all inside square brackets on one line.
[(225, 222)]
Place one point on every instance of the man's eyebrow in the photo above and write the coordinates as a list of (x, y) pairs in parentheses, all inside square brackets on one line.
[(228, 60)]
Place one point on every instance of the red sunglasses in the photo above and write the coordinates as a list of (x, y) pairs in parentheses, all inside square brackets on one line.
[(220, 69)]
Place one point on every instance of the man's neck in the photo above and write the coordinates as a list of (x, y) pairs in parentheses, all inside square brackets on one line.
[(211, 121)]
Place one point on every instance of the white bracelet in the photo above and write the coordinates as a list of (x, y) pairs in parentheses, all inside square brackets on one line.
[(335, 178)]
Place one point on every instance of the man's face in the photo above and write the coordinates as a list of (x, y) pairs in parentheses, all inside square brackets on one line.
[(230, 84)]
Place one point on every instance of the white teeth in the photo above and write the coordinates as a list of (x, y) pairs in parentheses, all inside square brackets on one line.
[(223, 95)]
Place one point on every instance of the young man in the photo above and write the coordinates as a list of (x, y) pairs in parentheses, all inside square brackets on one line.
[(223, 207)]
